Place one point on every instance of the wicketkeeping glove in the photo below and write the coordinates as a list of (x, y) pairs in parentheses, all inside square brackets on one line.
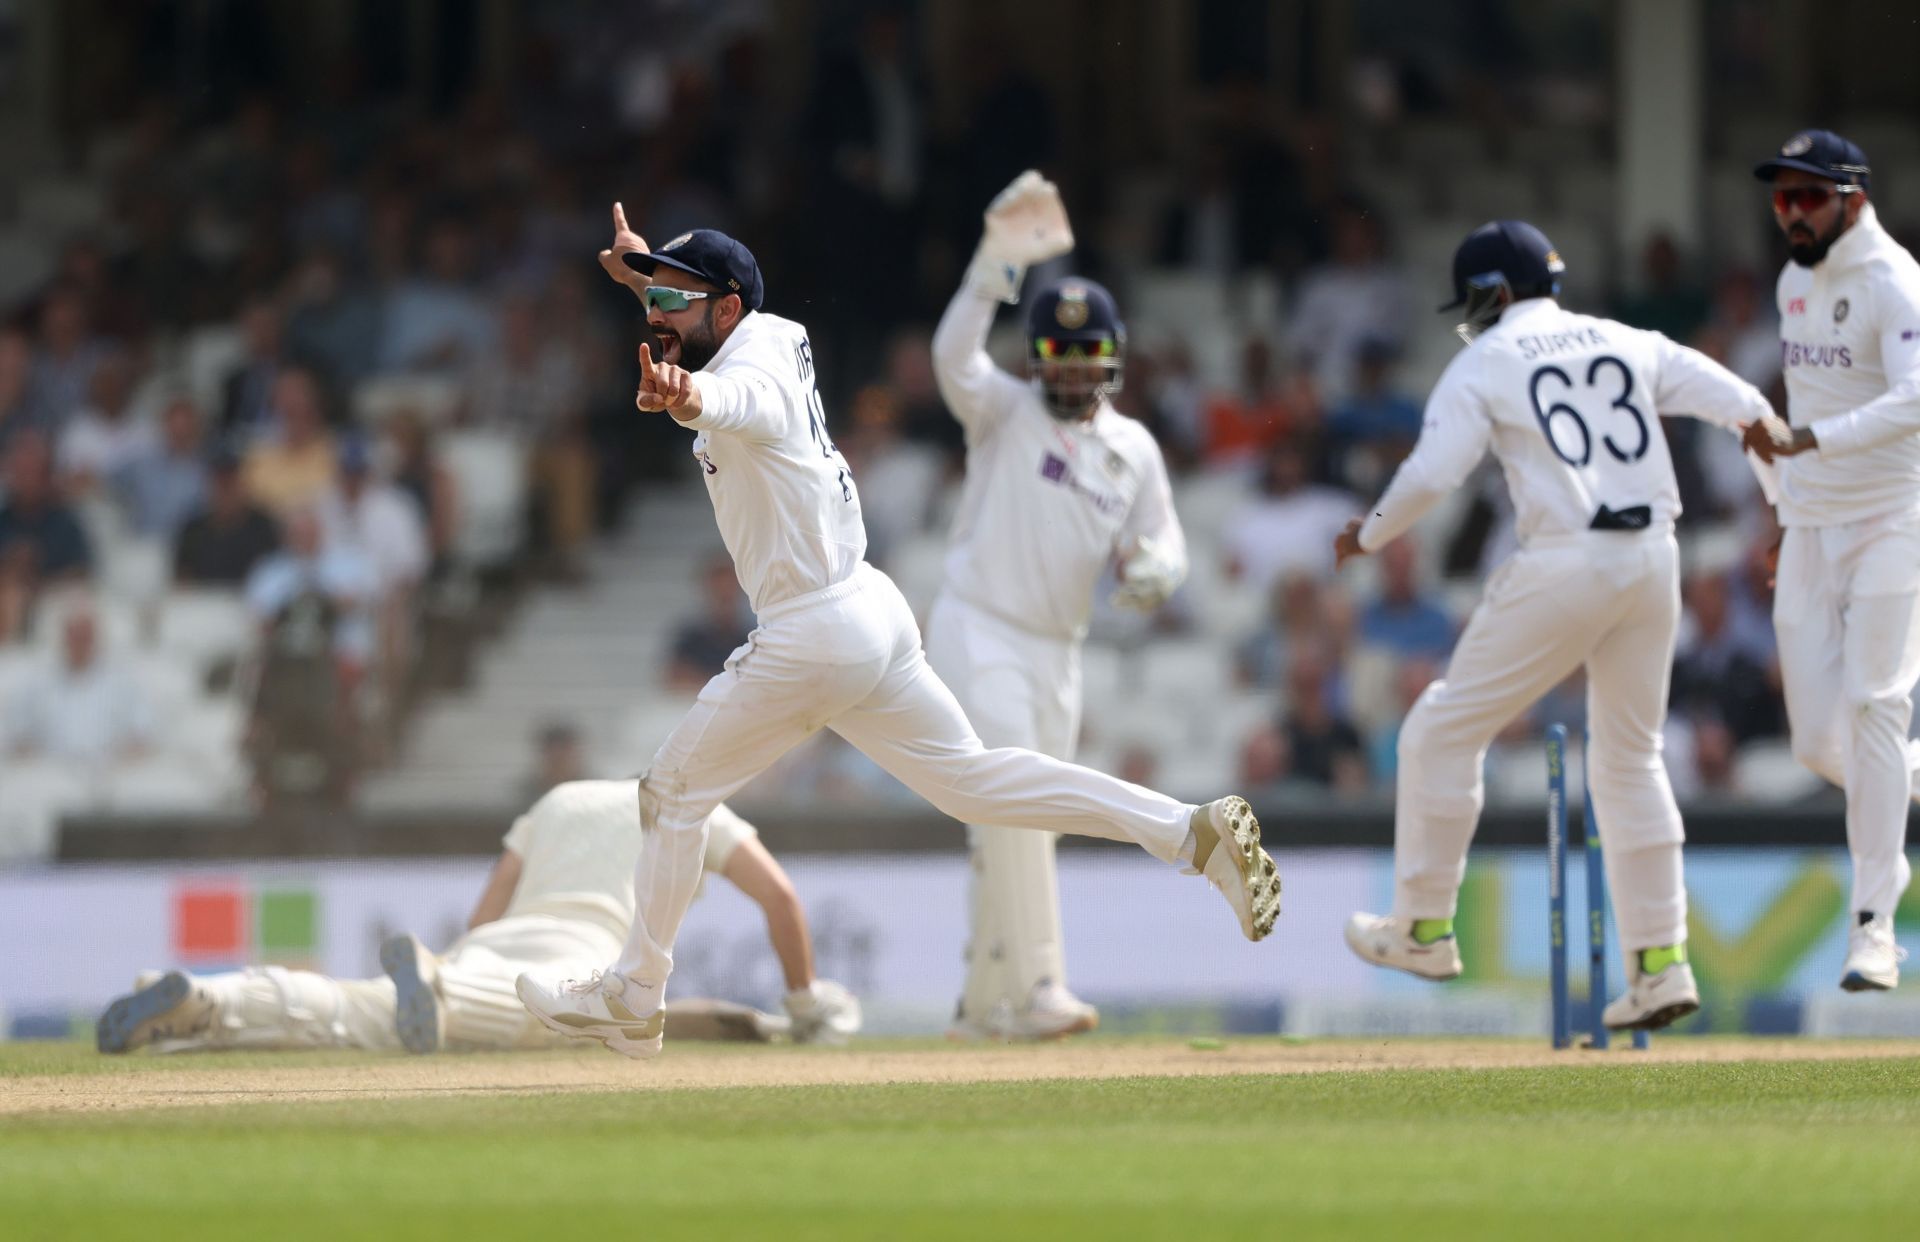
[(1148, 577), (1026, 224), (823, 1013)]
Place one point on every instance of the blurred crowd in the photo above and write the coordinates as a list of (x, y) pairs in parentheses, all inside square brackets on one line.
[(318, 375)]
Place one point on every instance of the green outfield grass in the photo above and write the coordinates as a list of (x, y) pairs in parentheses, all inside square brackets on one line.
[(1753, 1150)]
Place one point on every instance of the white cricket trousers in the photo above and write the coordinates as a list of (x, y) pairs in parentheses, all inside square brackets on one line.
[(1846, 607), (1018, 689), (848, 658), (1609, 600), (270, 1007)]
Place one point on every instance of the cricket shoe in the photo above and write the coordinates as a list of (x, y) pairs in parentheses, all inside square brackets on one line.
[(173, 1006), (1387, 940), (417, 1016), (1051, 1012), (1226, 849), (1873, 959), (1652, 1001), (596, 1008)]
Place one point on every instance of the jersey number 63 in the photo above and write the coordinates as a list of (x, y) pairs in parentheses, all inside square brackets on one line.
[(1561, 391)]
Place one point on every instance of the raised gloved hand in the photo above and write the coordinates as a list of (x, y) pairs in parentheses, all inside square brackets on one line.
[(1025, 224), (1149, 575), (823, 1013)]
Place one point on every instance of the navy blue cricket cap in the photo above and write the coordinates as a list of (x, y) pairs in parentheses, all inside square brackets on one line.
[(1513, 249), (1822, 153), (1075, 309), (713, 257)]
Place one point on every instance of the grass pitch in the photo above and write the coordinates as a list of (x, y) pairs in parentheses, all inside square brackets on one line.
[(1594, 1146)]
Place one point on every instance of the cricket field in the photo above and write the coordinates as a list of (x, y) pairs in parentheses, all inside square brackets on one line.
[(1103, 1138)]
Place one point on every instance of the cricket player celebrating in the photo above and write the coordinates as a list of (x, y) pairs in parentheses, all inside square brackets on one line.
[(1847, 603), (1059, 485), (1570, 405), (559, 901), (836, 644)]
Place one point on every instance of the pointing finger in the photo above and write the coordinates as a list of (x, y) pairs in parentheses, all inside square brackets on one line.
[(646, 363), (620, 219)]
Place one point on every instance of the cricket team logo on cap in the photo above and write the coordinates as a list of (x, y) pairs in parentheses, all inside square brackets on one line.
[(1799, 144), (677, 242), (1071, 313)]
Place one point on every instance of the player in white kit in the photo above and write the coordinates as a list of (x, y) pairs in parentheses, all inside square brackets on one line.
[(1847, 602), (559, 901), (1059, 486), (835, 646), (1570, 406)]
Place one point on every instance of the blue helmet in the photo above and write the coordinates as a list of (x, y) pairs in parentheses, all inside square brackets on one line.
[(1076, 346), (1509, 255)]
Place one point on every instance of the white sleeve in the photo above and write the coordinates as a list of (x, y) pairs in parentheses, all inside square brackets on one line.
[(744, 401), (978, 393), (725, 831), (1453, 439), (1688, 382), (1896, 412), (1153, 517)]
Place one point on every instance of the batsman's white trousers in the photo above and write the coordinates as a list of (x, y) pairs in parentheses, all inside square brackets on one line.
[(271, 1007), (1609, 600), (848, 658), (1018, 689), (1846, 607)]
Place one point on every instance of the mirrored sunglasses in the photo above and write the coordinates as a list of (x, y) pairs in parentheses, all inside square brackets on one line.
[(666, 298), (1051, 348), (1808, 197)]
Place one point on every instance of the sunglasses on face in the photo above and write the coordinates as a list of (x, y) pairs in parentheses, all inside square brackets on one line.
[(1050, 348), (1808, 198), (667, 298)]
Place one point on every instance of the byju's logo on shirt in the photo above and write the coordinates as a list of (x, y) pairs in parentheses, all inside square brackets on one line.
[(1797, 354), (1054, 469)]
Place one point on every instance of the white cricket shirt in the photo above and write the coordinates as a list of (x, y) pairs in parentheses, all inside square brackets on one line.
[(782, 494), (578, 846), (1850, 350), (1570, 405), (1047, 504)]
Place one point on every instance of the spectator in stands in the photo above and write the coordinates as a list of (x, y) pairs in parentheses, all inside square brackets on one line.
[(1410, 680), (41, 542), (1669, 298), (292, 466), (68, 353), (247, 392), (332, 324), (1357, 296), (418, 474), (222, 543), (702, 644), (1240, 423), (106, 434), (314, 604), (1375, 425), (899, 480), (558, 758), (1296, 615), (436, 320), (85, 710), (165, 483), (379, 524), (1326, 748), (1721, 673), (1403, 619), (1289, 526), (18, 413)]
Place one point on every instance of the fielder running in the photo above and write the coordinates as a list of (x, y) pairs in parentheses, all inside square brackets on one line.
[(1847, 603), (1059, 485), (559, 901), (836, 645), (1570, 405)]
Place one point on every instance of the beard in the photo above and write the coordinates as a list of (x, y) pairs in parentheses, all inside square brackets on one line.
[(1807, 248), (696, 347)]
